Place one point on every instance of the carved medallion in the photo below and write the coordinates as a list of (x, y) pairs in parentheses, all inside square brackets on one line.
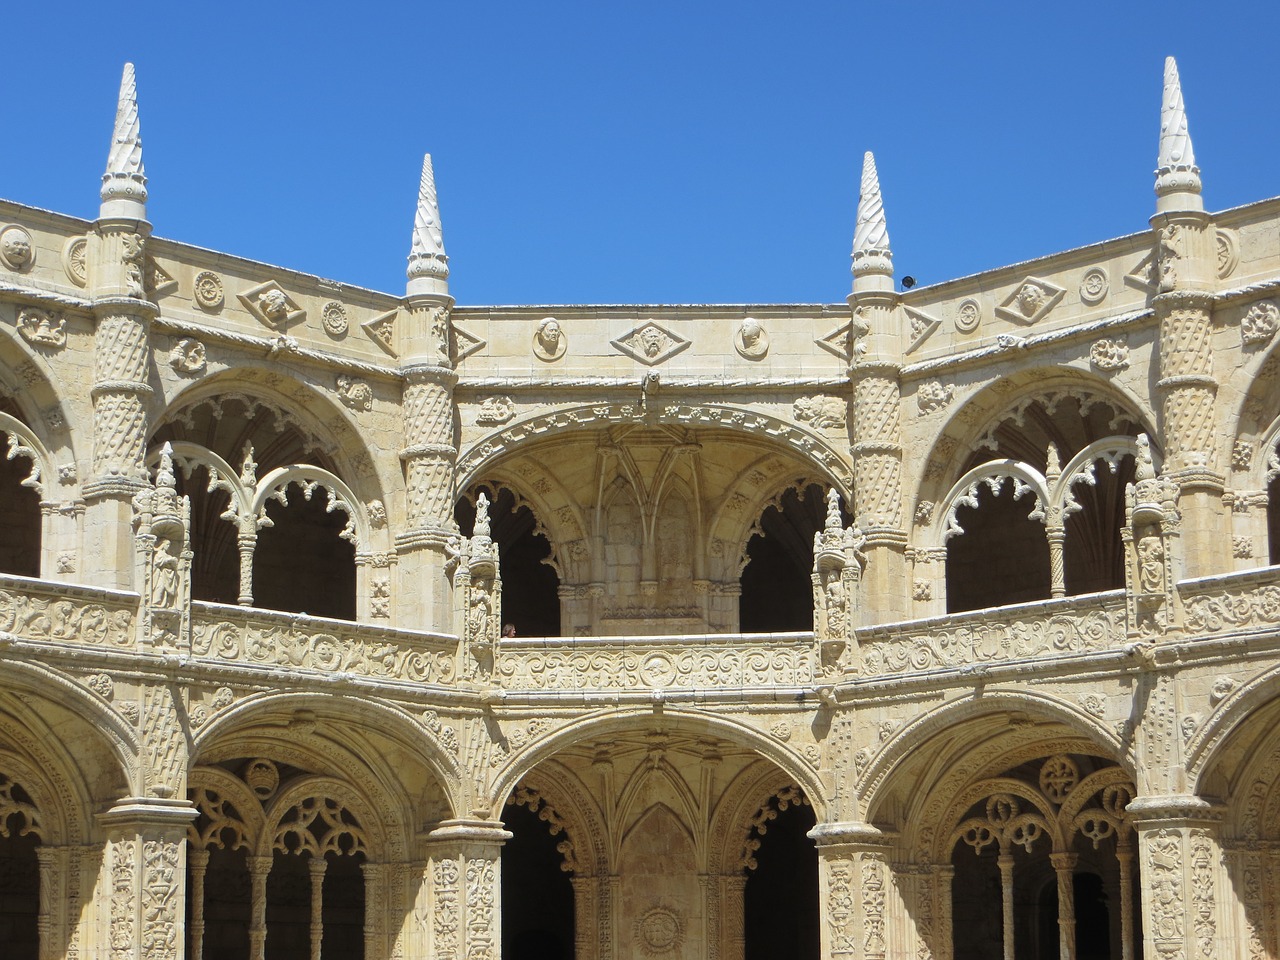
[(658, 931), (1094, 286), (208, 290), (187, 356), (75, 260), (16, 249), (651, 343), (1228, 251), (1109, 354), (549, 340), (495, 411), (1260, 323), (333, 317), (751, 341), (968, 315), (355, 393), (262, 777)]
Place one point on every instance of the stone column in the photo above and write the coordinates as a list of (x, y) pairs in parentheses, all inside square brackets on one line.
[(198, 861), (49, 894), (464, 873), (429, 455), (733, 916), (375, 910), (1124, 855), (1005, 863), (1180, 864), (316, 867), (259, 870), (144, 883), (1064, 865), (854, 889), (944, 947), (585, 917)]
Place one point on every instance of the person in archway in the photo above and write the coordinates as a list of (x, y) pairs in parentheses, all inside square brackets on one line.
[(508, 630)]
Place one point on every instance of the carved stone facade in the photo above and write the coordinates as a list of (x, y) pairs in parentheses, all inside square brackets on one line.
[(328, 615)]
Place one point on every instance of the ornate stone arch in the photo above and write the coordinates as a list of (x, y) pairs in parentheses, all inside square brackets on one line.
[(276, 486), (620, 720), (954, 714), (1026, 480), (1231, 716), (988, 407), (214, 781), (314, 413), (50, 821), (24, 443), (811, 446), (280, 727), (54, 755), (34, 385)]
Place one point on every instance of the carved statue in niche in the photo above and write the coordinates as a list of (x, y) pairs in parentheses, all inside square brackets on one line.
[(131, 246), (164, 576), (549, 341), (836, 601), (1151, 564), (751, 342)]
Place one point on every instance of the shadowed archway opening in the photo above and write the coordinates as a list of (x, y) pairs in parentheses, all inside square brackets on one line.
[(781, 895), (19, 507), (537, 895), (19, 895), (777, 589), (302, 564), (1002, 556), (530, 586)]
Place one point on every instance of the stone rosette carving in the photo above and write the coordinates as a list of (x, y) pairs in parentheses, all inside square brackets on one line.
[(187, 356), (823, 412), (1030, 301), (355, 393), (207, 291), (333, 317), (1227, 248), (968, 315), (17, 251), (75, 260), (1260, 323), (495, 411), (549, 340), (933, 396), (42, 328), (1241, 547), (1241, 455), (659, 931), (1094, 286), (650, 343), (750, 340), (1109, 354)]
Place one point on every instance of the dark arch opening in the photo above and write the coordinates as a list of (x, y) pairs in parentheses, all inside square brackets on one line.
[(530, 587), (777, 589), (1273, 520), (1093, 552), (1002, 556), (301, 564), (19, 884), (20, 523), (537, 895), (227, 904), (781, 896), (215, 561)]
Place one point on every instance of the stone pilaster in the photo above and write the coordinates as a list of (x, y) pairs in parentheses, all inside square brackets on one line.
[(465, 889), (142, 894), (1181, 865), (858, 898)]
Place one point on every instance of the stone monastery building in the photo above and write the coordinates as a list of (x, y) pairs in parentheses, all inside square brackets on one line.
[(934, 624)]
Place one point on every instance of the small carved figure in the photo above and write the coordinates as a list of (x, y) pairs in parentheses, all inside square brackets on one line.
[(652, 340), (482, 525), (1151, 565), (274, 305), (131, 247), (549, 342), (164, 576), (1029, 299)]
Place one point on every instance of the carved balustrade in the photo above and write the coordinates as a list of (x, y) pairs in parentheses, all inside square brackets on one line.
[(261, 638), (1024, 631), (45, 612), (1238, 601), (656, 663)]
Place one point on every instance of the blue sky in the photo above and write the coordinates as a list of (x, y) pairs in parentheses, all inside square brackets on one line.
[(641, 152)]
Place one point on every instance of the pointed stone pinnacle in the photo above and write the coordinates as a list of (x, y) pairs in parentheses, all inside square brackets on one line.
[(1176, 170), (871, 254), (124, 185), (427, 260), (165, 476)]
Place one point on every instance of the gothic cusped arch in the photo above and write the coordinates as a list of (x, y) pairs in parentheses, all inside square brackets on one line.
[(294, 795), (23, 443), (994, 474), (576, 810), (35, 386), (1234, 716), (738, 811)]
